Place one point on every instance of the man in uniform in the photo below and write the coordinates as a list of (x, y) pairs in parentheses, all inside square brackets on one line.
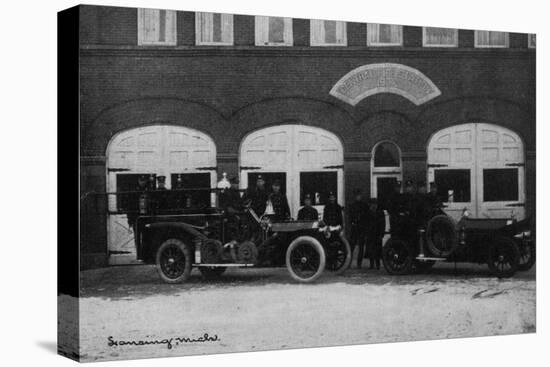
[(375, 228), (257, 195), (308, 212), (160, 203), (138, 203), (279, 202), (230, 202), (178, 196), (357, 216), (332, 213)]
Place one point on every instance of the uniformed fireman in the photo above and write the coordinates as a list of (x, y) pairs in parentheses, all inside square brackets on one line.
[(375, 229), (139, 201), (230, 202), (332, 213), (160, 203), (257, 195), (308, 212), (178, 195), (357, 216), (281, 210)]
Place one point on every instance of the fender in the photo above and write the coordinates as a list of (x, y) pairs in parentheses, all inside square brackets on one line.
[(185, 227)]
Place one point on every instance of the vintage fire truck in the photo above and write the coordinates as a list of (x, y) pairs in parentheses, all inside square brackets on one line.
[(199, 238), (505, 245)]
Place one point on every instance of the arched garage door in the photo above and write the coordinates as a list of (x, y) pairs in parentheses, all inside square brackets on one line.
[(479, 166), (153, 151), (307, 160)]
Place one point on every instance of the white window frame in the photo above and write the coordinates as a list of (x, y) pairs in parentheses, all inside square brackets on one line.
[(506, 43), (424, 38), (261, 23), (529, 44), (316, 39), (198, 29), (382, 44), (384, 172), (169, 41)]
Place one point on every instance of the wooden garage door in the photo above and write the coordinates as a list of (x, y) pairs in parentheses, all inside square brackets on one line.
[(152, 150), (309, 158), (480, 167)]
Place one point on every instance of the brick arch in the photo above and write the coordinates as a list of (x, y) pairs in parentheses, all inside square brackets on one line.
[(513, 116), (293, 110), (149, 111)]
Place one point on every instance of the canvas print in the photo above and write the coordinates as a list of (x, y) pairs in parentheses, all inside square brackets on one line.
[(256, 182)]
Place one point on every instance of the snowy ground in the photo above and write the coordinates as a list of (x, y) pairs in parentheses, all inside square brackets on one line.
[(259, 309)]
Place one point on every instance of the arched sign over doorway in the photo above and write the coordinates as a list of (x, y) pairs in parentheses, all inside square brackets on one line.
[(371, 79)]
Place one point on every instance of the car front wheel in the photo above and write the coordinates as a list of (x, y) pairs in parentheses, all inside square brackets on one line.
[(305, 259), (397, 257), (174, 261), (503, 257)]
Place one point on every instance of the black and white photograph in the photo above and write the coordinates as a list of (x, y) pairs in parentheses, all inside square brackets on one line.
[(259, 182)]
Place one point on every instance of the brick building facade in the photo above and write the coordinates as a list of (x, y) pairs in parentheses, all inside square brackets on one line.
[(484, 110)]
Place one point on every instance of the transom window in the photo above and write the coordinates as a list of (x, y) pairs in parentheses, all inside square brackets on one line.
[(386, 155), (439, 37), (384, 35), (532, 39), (156, 27), (491, 39), (214, 29), (327, 33), (273, 31)]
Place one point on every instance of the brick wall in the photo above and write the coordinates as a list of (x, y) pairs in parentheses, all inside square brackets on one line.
[(228, 92)]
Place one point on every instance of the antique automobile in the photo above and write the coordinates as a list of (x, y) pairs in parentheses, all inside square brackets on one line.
[(213, 240), (505, 245)]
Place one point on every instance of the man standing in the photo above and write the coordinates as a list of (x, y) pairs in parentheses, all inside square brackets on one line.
[(139, 201), (161, 196), (357, 216), (308, 212), (375, 227), (332, 213), (258, 196), (279, 201)]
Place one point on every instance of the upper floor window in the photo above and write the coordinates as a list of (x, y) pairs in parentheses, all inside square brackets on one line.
[(439, 37), (384, 35), (273, 31), (214, 29), (327, 33), (491, 39), (532, 40), (156, 27)]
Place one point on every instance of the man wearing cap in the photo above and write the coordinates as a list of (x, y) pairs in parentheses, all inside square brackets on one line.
[(279, 201), (357, 216), (160, 202), (138, 201), (258, 196), (308, 212), (375, 228), (229, 199), (332, 213)]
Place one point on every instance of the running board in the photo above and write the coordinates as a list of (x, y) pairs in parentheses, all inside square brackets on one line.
[(224, 265), (425, 258)]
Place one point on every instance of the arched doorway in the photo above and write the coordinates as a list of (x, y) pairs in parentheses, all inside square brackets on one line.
[(306, 159), (154, 150), (386, 169), (480, 167)]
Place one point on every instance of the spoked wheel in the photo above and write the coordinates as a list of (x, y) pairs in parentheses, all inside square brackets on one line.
[(338, 256), (213, 272), (526, 255), (174, 261), (305, 259), (397, 257), (503, 257)]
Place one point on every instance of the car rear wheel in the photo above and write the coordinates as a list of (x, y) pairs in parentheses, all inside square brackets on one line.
[(526, 255), (305, 259), (174, 261), (397, 257), (338, 256), (503, 257)]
